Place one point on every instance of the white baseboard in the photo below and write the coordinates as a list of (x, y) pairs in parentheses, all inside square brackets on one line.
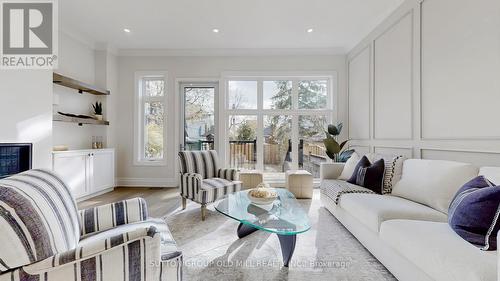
[(147, 182), (83, 198)]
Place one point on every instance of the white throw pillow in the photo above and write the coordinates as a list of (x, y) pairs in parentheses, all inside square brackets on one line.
[(491, 173), (349, 167), (433, 182)]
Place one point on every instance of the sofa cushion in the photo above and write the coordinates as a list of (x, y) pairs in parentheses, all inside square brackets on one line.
[(168, 248), (373, 209), (433, 182), (474, 212), (491, 173), (369, 175), (437, 250), (216, 188)]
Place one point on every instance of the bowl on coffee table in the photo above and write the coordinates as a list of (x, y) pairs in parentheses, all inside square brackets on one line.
[(262, 195)]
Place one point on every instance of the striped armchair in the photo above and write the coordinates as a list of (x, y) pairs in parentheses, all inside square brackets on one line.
[(45, 238), (201, 179)]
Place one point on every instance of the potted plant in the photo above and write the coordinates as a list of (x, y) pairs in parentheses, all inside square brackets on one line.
[(334, 150), (97, 110)]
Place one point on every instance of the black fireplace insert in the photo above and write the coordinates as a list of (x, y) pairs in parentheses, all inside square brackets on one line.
[(14, 158)]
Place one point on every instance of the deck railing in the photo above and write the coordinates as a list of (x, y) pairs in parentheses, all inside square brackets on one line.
[(243, 154)]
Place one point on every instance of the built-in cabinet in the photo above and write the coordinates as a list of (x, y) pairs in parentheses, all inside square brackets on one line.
[(87, 172)]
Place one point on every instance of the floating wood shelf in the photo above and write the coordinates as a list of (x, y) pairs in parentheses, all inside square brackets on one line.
[(79, 121), (77, 85)]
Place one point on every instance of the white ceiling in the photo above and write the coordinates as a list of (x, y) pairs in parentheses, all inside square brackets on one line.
[(243, 24)]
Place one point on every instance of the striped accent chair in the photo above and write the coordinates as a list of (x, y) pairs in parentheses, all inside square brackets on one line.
[(201, 179), (44, 237)]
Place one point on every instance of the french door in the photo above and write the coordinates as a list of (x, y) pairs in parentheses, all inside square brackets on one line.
[(198, 115)]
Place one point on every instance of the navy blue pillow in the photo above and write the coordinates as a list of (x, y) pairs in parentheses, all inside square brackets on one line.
[(474, 212), (369, 175)]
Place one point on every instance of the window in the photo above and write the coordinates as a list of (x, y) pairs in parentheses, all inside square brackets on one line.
[(278, 124), (277, 94), (242, 94), (150, 119)]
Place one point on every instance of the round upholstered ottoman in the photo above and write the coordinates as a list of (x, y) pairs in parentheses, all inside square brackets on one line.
[(300, 183)]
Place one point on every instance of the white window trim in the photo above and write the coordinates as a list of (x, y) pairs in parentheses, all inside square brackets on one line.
[(331, 110), (138, 119)]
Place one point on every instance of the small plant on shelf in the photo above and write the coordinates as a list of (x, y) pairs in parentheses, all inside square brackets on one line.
[(334, 150), (97, 110)]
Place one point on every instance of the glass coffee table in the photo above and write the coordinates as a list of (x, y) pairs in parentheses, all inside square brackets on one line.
[(284, 216)]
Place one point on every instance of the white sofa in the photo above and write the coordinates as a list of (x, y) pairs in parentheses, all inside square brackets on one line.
[(407, 231)]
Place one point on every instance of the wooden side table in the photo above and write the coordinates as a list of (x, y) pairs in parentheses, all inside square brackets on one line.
[(250, 178)]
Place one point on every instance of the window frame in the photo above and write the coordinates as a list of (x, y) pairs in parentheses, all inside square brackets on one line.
[(331, 110), (139, 122)]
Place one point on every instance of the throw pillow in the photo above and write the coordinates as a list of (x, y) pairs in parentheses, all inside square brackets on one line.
[(369, 175), (349, 167), (393, 169), (474, 212)]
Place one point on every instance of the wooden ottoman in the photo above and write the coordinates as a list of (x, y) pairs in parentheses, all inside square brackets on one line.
[(250, 178), (300, 183)]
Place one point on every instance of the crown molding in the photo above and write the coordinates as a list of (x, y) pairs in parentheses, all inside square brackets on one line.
[(231, 52)]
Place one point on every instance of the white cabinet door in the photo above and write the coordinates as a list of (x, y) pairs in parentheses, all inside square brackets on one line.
[(73, 170), (103, 170)]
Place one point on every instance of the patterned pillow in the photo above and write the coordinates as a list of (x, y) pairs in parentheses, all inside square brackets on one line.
[(474, 211), (369, 175), (393, 169)]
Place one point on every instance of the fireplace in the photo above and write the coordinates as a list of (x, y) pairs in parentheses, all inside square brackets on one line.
[(14, 158)]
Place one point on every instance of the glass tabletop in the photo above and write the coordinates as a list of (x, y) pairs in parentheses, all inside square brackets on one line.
[(284, 216)]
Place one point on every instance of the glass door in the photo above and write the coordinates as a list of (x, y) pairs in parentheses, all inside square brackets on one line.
[(198, 117)]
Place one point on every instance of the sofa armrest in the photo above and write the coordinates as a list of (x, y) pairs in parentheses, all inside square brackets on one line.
[(108, 216), (190, 185), (228, 174), (145, 244), (331, 170)]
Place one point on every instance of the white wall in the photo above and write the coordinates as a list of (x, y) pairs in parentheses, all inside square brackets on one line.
[(26, 114), (196, 67), (77, 60), (426, 83)]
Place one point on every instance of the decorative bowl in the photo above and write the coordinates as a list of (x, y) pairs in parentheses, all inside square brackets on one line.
[(262, 196)]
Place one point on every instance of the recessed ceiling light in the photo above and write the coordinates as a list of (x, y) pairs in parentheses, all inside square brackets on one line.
[(309, 30), (215, 30), (126, 30)]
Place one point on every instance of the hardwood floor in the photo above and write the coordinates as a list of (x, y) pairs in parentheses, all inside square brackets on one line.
[(161, 201)]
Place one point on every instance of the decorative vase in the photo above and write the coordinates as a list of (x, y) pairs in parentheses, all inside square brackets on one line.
[(98, 117)]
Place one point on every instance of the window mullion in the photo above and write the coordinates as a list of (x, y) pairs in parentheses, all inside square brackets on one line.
[(260, 126), (295, 124)]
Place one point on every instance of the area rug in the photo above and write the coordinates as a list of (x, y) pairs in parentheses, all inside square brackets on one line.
[(212, 250)]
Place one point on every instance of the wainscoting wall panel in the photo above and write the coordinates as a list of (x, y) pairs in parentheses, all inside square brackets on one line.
[(359, 95), (460, 69), (362, 150), (393, 75), (434, 83), (478, 158), (405, 151)]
